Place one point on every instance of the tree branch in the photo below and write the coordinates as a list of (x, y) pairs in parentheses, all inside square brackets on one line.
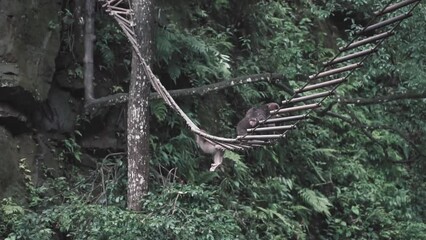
[(366, 130), (222, 85), (383, 99), (400, 134), (115, 99), (354, 121)]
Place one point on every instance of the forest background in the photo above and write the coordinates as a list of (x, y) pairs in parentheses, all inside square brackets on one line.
[(353, 171)]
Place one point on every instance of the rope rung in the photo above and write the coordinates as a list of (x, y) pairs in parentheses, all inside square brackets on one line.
[(257, 142), (261, 137), (336, 71), (308, 97), (299, 108), (351, 56), (273, 128), (395, 7), (232, 146), (285, 119), (320, 85), (367, 41), (385, 23)]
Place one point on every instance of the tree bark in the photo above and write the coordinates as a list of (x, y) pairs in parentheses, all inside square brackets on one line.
[(138, 109), (89, 38), (78, 27)]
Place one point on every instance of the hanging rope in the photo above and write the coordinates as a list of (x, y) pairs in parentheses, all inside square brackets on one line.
[(124, 18)]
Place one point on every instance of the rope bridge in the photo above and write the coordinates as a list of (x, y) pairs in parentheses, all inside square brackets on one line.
[(306, 99)]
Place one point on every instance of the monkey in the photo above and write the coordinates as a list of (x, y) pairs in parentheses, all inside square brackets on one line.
[(245, 124), (254, 115), (263, 112), (210, 148)]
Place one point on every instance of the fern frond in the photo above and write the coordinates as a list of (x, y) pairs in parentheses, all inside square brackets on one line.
[(316, 200), (159, 109), (240, 166)]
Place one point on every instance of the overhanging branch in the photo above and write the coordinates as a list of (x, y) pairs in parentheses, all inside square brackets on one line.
[(222, 85), (353, 121), (115, 99)]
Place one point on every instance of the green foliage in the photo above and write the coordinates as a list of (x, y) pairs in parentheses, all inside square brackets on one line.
[(182, 212), (109, 36), (317, 201), (205, 48), (159, 110), (72, 149)]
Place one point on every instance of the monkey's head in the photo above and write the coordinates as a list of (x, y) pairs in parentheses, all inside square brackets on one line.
[(253, 122), (273, 106)]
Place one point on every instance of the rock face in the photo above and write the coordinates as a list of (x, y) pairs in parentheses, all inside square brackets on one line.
[(29, 43), (57, 113), (11, 179), (41, 93)]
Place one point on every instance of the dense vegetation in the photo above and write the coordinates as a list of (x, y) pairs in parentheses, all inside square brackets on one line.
[(356, 175)]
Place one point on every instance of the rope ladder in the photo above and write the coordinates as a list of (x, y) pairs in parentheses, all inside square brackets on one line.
[(306, 99)]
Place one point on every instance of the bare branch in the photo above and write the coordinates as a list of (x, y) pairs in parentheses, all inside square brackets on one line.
[(222, 85), (115, 99), (401, 134), (352, 120), (110, 100)]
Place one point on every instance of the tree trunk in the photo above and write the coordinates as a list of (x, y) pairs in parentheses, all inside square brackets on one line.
[(79, 28), (89, 38), (138, 109)]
